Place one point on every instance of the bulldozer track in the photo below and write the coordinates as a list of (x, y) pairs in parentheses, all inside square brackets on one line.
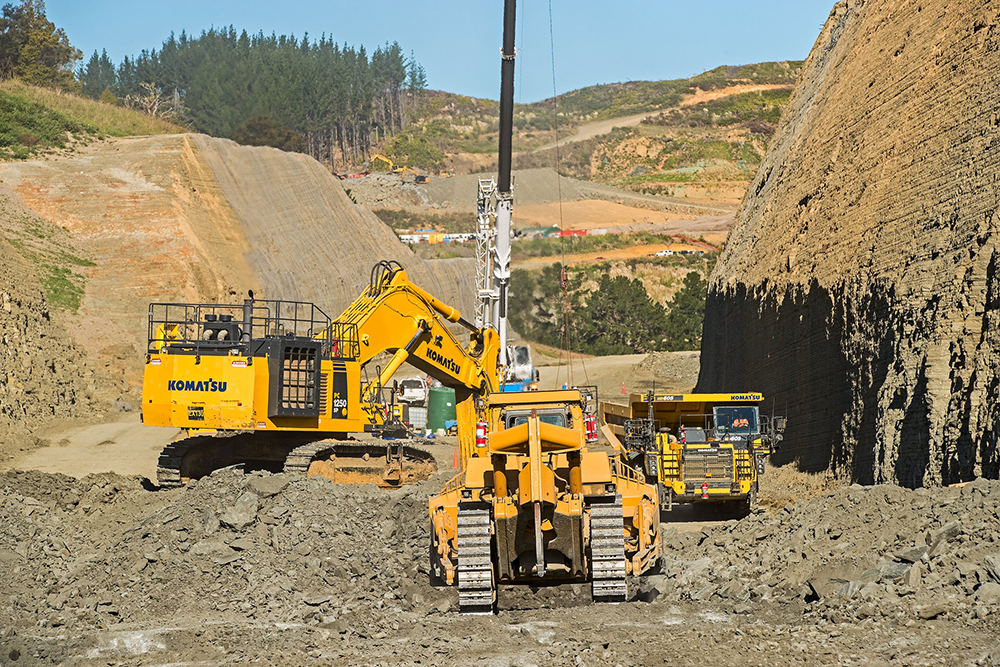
[(168, 467), (476, 582), (607, 552)]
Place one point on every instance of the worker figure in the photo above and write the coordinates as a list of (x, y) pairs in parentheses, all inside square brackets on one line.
[(165, 333)]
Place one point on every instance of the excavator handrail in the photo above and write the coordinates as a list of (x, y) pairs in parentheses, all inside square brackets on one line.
[(622, 469), (217, 328)]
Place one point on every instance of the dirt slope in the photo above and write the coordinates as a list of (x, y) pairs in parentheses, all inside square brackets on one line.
[(859, 285), (150, 215), (190, 218), (307, 240)]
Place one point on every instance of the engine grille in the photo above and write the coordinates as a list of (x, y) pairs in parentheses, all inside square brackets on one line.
[(324, 394), (710, 465)]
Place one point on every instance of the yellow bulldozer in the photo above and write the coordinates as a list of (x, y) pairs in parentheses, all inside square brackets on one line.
[(278, 384), (534, 504), (699, 448)]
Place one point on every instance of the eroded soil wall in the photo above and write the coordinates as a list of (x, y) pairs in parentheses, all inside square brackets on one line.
[(859, 288)]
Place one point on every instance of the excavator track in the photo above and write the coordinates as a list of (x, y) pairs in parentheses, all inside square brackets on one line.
[(476, 583), (607, 552), (168, 467), (389, 465)]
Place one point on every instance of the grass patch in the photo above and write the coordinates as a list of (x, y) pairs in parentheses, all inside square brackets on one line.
[(97, 117), (668, 159), (48, 249), (571, 245), (765, 106), (63, 288), (27, 128)]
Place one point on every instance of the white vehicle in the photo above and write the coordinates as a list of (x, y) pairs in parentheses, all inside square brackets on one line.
[(521, 374), (413, 391), (664, 253)]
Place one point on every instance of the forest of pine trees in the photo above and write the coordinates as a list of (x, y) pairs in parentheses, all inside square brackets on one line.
[(339, 98)]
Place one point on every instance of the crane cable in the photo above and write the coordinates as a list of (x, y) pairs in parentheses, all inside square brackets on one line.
[(567, 337)]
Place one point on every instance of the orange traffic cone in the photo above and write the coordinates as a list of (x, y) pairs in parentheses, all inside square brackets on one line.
[(455, 465), (623, 387)]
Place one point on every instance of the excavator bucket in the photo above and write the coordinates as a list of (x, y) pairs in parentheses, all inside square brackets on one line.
[(386, 465)]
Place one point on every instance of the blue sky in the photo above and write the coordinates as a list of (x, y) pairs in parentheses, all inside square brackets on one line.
[(458, 41)]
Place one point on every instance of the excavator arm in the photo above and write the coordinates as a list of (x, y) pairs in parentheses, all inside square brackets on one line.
[(390, 165), (394, 315)]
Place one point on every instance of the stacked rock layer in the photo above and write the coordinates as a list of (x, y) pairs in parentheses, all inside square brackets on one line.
[(859, 288)]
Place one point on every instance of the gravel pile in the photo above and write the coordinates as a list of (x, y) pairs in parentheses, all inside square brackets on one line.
[(849, 554), (270, 548), (235, 567), (382, 190), (674, 366)]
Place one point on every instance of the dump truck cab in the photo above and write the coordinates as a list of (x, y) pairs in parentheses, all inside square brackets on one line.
[(698, 447)]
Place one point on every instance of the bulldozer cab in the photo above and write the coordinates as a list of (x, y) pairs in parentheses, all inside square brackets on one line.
[(555, 417)]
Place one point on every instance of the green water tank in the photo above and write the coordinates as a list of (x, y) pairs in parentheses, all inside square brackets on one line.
[(440, 407)]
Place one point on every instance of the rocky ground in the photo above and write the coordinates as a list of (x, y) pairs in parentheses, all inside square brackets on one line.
[(247, 567)]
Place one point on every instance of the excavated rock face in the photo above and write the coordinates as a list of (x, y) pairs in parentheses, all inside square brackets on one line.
[(42, 373), (859, 288)]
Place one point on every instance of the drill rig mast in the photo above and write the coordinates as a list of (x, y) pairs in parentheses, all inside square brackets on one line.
[(496, 201)]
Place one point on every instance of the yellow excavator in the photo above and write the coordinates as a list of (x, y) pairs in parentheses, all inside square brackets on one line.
[(418, 178), (279, 385), (390, 165)]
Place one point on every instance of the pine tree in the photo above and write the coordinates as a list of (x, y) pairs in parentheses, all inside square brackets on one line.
[(337, 97), (34, 49), (687, 314), (98, 75), (620, 318)]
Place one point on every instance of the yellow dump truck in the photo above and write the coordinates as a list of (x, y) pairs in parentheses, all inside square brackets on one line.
[(699, 448)]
